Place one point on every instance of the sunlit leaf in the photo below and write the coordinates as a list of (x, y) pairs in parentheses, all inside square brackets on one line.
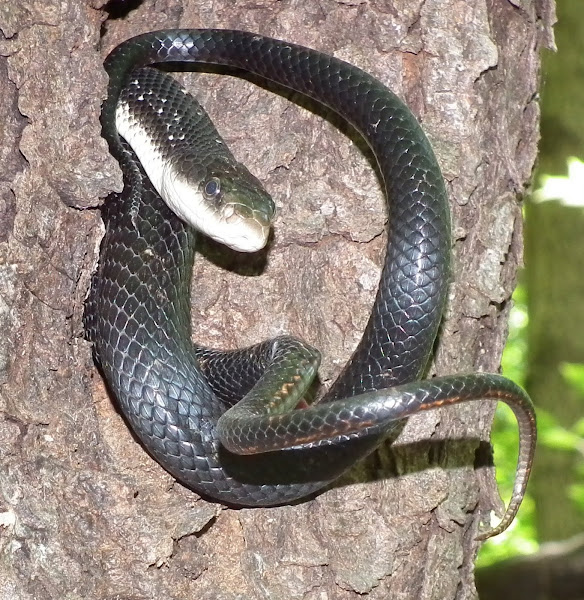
[(567, 190), (554, 435), (578, 428), (576, 493), (573, 373)]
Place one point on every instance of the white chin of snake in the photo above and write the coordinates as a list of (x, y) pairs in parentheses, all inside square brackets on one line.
[(223, 225)]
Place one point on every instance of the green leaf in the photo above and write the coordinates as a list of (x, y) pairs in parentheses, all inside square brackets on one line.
[(573, 373)]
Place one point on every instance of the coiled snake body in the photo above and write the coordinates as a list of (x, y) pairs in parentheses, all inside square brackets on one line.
[(225, 424)]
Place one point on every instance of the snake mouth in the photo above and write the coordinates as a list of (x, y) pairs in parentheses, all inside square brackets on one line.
[(233, 223), (244, 229), (243, 235), (240, 221)]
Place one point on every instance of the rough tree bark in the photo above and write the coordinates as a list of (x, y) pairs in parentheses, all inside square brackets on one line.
[(84, 511)]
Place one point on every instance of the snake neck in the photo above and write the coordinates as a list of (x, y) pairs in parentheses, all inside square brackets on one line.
[(398, 339)]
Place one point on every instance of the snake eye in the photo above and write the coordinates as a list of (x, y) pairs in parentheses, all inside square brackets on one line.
[(212, 188)]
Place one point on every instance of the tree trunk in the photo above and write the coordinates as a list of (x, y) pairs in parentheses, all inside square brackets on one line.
[(85, 511)]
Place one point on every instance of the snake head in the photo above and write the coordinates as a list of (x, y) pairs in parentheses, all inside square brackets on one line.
[(224, 201)]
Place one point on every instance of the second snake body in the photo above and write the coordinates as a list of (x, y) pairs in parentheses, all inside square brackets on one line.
[(178, 398)]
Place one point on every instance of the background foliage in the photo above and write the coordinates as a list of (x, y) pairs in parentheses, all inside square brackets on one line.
[(544, 352), (522, 537)]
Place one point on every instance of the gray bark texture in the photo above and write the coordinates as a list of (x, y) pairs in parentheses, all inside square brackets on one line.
[(84, 511)]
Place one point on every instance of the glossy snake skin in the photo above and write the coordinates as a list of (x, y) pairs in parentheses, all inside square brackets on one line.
[(225, 424)]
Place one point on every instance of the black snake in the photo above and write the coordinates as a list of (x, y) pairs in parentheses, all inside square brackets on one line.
[(226, 423)]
